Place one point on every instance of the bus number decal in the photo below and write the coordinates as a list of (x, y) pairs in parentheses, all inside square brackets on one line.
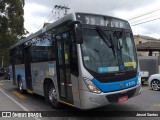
[(129, 84)]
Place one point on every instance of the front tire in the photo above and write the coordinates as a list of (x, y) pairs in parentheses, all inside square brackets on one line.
[(20, 85), (52, 96), (155, 85)]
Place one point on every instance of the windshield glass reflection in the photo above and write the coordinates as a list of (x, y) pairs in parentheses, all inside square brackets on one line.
[(99, 57)]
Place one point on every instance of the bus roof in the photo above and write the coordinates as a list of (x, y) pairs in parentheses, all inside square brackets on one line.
[(68, 17)]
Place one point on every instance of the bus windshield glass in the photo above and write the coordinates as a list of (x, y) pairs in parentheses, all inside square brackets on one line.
[(117, 54), (125, 50)]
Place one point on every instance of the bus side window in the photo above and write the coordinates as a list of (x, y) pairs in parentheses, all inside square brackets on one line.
[(42, 49), (18, 55), (73, 52)]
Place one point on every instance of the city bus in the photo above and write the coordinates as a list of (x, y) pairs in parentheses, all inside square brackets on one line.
[(83, 60)]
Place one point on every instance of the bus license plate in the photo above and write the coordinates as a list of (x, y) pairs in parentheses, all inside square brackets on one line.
[(122, 99)]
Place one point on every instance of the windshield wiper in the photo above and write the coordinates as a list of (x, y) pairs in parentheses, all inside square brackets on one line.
[(106, 38)]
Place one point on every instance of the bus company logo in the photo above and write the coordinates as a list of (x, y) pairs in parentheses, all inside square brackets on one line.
[(122, 85)]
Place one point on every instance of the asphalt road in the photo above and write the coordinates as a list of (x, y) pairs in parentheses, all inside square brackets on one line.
[(149, 100)]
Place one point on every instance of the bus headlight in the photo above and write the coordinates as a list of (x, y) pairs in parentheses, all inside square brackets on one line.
[(91, 86), (139, 79)]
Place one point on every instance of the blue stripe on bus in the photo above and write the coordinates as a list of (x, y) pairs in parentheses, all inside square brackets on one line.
[(114, 86)]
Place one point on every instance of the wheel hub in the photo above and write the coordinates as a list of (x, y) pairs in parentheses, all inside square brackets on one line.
[(156, 85), (20, 86), (52, 95)]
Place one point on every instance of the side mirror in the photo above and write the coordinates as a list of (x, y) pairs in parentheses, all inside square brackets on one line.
[(78, 31)]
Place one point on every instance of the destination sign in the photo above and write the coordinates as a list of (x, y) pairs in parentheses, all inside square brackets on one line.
[(100, 20)]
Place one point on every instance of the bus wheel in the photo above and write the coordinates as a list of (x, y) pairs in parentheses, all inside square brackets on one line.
[(20, 86), (52, 96)]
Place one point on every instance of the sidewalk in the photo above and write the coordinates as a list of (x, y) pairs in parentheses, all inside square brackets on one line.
[(7, 103)]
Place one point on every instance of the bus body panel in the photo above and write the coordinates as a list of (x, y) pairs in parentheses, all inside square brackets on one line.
[(91, 100), (11, 72), (20, 74), (83, 73), (75, 91), (40, 72), (115, 86)]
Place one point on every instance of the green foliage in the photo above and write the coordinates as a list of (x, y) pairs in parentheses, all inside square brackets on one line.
[(11, 26)]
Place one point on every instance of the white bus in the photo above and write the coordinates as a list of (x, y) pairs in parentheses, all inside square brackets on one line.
[(82, 60)]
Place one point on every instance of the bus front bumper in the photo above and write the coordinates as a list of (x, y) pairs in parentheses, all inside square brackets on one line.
[(91, 100)]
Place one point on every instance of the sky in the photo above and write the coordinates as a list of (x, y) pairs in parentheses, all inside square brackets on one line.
[(37, 12)]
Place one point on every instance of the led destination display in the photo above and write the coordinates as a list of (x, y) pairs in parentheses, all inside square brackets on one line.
[(99, 20)]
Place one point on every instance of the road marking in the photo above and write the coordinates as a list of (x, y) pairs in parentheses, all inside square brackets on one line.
[(4, 80), (19, 95), (30, 91), (66, 103), (20, 105), (25, 109), (1, 84)]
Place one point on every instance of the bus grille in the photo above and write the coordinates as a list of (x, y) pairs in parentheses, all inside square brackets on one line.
[(104, 79)]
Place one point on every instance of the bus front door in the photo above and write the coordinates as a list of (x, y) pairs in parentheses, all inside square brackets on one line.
[(63, 67), (27, 60)]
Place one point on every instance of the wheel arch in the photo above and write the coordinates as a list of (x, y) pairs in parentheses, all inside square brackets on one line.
[(48, 84), (47, 81)]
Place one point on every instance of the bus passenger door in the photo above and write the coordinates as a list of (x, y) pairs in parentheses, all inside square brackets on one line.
[(63, 67), (27, 62)]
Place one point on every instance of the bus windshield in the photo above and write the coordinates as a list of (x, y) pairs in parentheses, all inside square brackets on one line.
[(102, 57)]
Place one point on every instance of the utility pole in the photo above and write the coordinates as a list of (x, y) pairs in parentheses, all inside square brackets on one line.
[(62, 8)]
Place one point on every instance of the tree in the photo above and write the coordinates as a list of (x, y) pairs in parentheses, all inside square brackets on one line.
[(11, 26)]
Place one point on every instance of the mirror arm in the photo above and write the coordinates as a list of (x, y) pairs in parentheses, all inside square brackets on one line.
[(78, 36)]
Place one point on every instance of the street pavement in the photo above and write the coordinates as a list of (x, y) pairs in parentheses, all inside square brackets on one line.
[(149, 100), (8, 104)]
